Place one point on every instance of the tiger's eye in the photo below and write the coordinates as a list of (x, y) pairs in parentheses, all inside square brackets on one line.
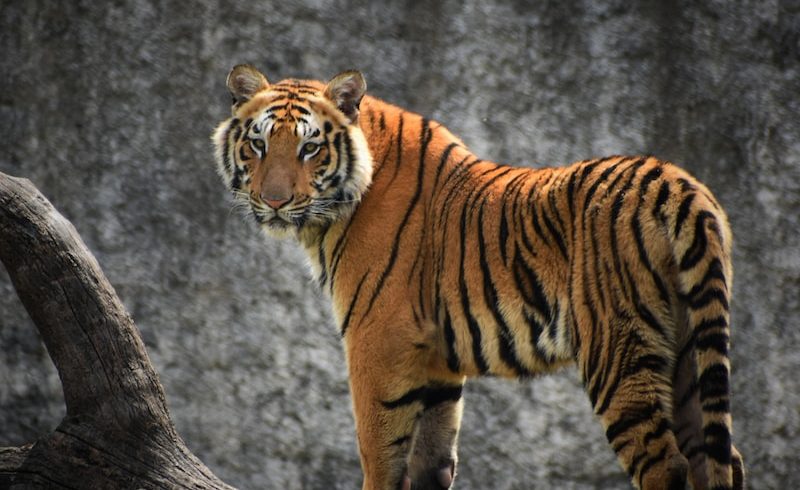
[(310, 147), (259, 144)]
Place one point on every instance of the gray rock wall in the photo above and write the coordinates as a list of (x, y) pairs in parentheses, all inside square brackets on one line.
[(108, 106)]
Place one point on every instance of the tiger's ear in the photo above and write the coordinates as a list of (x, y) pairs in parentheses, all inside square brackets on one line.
[(346, 90), (244, 81)]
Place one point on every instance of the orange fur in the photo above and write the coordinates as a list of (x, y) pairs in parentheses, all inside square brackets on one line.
[(442, 266)]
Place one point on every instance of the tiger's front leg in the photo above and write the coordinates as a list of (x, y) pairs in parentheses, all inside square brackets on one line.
[(391, 387), (432, 462)]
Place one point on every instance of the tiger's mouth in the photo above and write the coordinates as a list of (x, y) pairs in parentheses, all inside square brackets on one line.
[(276, 220)]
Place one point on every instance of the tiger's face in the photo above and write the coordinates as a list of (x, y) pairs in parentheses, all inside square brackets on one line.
[(293, 152)]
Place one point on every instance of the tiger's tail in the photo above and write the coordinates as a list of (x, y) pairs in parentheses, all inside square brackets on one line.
[(701, 247)]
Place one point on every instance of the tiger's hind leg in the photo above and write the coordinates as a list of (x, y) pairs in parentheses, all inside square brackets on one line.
[(432, 461), (688, 419), (687, 412), (629, 384)]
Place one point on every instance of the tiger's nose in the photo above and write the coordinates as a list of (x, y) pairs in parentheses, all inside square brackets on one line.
[(275, 202)]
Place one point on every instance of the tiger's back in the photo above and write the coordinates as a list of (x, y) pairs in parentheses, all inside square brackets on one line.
[(451, 266)]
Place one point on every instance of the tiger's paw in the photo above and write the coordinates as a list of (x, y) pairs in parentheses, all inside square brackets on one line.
[(433, 478)]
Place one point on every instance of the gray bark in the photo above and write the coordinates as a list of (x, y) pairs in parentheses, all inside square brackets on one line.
[(117, 432)]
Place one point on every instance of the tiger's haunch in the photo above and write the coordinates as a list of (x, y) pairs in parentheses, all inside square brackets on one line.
[(441, 266)]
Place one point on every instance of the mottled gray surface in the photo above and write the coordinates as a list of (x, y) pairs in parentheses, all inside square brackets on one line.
[(107, 107)]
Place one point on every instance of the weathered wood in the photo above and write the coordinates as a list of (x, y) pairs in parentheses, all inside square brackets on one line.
[(117, 432)]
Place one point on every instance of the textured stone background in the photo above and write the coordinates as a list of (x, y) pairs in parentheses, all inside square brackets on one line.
[(107, 107)]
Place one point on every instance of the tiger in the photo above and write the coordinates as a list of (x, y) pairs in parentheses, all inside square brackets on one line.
[(441, 266)]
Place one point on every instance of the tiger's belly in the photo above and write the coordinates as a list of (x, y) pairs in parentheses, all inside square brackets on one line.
[(509, 339)]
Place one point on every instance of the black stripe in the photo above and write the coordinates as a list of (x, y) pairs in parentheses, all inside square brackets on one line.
[(353, 300), (523, 232), (717, 443), (709, 323), (455, 180), (337, 253), (714, 271), (477, 194), (641, 308), (717, 341), (537, 227), (589, 167), (236, 180), (659, 431), (558, 236), (429, 396), (714, 382), (472, 324), (552, 201), (635, 462), (652, 175), (596, 184), (291, 93), (520, 222), (721, 406), (400, 441), (594, 340), (293, 83), (650, 463), (399, 144), (323, 277), (600, 278), (643, 257), (276, 107), (453, 362), (663, 195), (301, 109), (619, 446), (536, 330), (505, 337), (707, 297), (616, 208), (242, 155), (226, 147), (442, 161), (531, 287), (502, 234), (627, 350), (337, 145), (351, 158), (571, 192), (698, 247), (649, 318), (649, 362), (629, 420), (510, 192), (552, 327), (425, 139)]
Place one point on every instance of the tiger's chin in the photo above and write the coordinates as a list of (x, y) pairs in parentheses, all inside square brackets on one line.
[(276, 226), (300, 228)]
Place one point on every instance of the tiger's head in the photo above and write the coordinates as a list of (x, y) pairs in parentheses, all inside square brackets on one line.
[(293, 152)]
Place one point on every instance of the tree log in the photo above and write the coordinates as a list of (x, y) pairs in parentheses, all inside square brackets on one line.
[(117, 432)]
